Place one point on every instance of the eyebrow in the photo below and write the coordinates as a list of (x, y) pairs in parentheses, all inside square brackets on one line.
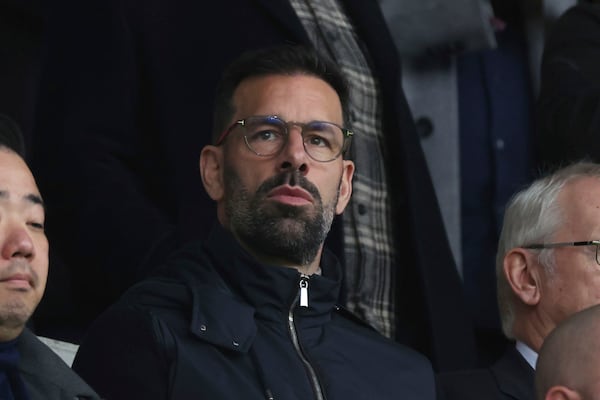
[(30, 198)]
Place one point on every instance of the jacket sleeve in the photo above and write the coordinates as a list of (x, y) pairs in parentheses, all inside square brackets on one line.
[(122, 357)]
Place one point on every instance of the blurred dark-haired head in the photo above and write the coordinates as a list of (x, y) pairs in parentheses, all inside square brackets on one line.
[(11, 136)]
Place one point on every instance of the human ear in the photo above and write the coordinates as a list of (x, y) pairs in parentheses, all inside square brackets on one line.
[(521, 270), (211, 171), (561, 393), (345, 189)]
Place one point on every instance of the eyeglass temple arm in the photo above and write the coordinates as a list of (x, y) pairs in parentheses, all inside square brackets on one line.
[(561, 244)]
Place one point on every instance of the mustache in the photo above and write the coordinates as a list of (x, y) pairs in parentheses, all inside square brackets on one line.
[(292, 178), (20, 267)]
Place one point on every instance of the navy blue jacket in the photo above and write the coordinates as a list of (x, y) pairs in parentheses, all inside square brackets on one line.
[(215, 324)]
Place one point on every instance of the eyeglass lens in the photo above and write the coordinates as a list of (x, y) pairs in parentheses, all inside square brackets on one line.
[(265, 136)]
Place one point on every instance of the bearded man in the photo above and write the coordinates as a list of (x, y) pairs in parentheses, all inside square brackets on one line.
[(251, 313)]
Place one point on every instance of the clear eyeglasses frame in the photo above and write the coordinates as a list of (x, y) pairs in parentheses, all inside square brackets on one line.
[(567, 244), (267, 135)]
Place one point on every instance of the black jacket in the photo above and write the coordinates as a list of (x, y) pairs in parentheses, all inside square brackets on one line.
[(568, 106), (218, 325), (509, 378), (46, 375)]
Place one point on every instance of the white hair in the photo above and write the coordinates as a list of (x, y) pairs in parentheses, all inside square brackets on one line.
[(533, 215)]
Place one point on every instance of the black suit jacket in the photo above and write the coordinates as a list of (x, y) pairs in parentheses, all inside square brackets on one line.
[(568, 107), (126, 107), (511, 377), (45, 374)]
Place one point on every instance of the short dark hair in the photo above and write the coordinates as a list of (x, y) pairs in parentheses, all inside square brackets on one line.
[(11, 136), (276, 60)]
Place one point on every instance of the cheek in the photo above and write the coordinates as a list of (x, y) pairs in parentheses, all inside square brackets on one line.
[(575, 293), (594, 290), (327, 192), (595, 386), (41, 259), (237, 184), (558, 296), (326, 180), (244, 175)]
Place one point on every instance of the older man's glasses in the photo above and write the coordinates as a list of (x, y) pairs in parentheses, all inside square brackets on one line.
[(566, 244), (267, 135)]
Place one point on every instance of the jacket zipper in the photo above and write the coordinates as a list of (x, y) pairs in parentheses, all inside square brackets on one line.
[(303, 290), (303, 296)]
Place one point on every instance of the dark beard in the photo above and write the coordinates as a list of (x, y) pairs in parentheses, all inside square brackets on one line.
[(292, 233)]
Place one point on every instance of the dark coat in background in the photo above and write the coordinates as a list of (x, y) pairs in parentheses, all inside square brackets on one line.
[(568, 107), (21, 41)]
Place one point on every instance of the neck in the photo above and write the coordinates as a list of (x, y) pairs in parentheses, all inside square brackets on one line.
[(269, 259), (532, 333), (10, 333)]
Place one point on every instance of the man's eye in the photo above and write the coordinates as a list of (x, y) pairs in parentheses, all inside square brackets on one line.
[(318, 141), (36, 225), (265, 135)]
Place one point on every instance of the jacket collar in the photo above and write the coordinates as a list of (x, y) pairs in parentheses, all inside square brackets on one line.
[(514, 375), (46, 375), (239, 290)]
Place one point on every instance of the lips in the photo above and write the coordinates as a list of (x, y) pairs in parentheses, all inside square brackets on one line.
[(18, 277), (18, 280), (290, 195)]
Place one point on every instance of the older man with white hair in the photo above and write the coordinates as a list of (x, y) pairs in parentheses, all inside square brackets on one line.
[(547, 268)]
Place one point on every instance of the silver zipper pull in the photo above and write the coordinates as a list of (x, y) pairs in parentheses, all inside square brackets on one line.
[(303, 290), (269, 394)]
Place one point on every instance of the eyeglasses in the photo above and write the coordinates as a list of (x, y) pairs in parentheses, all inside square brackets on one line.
[(566, 244), (267, 135)]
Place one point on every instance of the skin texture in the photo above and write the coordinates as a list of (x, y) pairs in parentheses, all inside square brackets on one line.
[(549, 298), (568, 366), (24, 247), (297, 195)]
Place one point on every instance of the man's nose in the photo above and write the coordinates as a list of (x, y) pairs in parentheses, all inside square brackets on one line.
[(293, 154), (17, 243)]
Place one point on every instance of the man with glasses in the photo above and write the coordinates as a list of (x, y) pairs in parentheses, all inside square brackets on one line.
[(547, 268), (251, 313)]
